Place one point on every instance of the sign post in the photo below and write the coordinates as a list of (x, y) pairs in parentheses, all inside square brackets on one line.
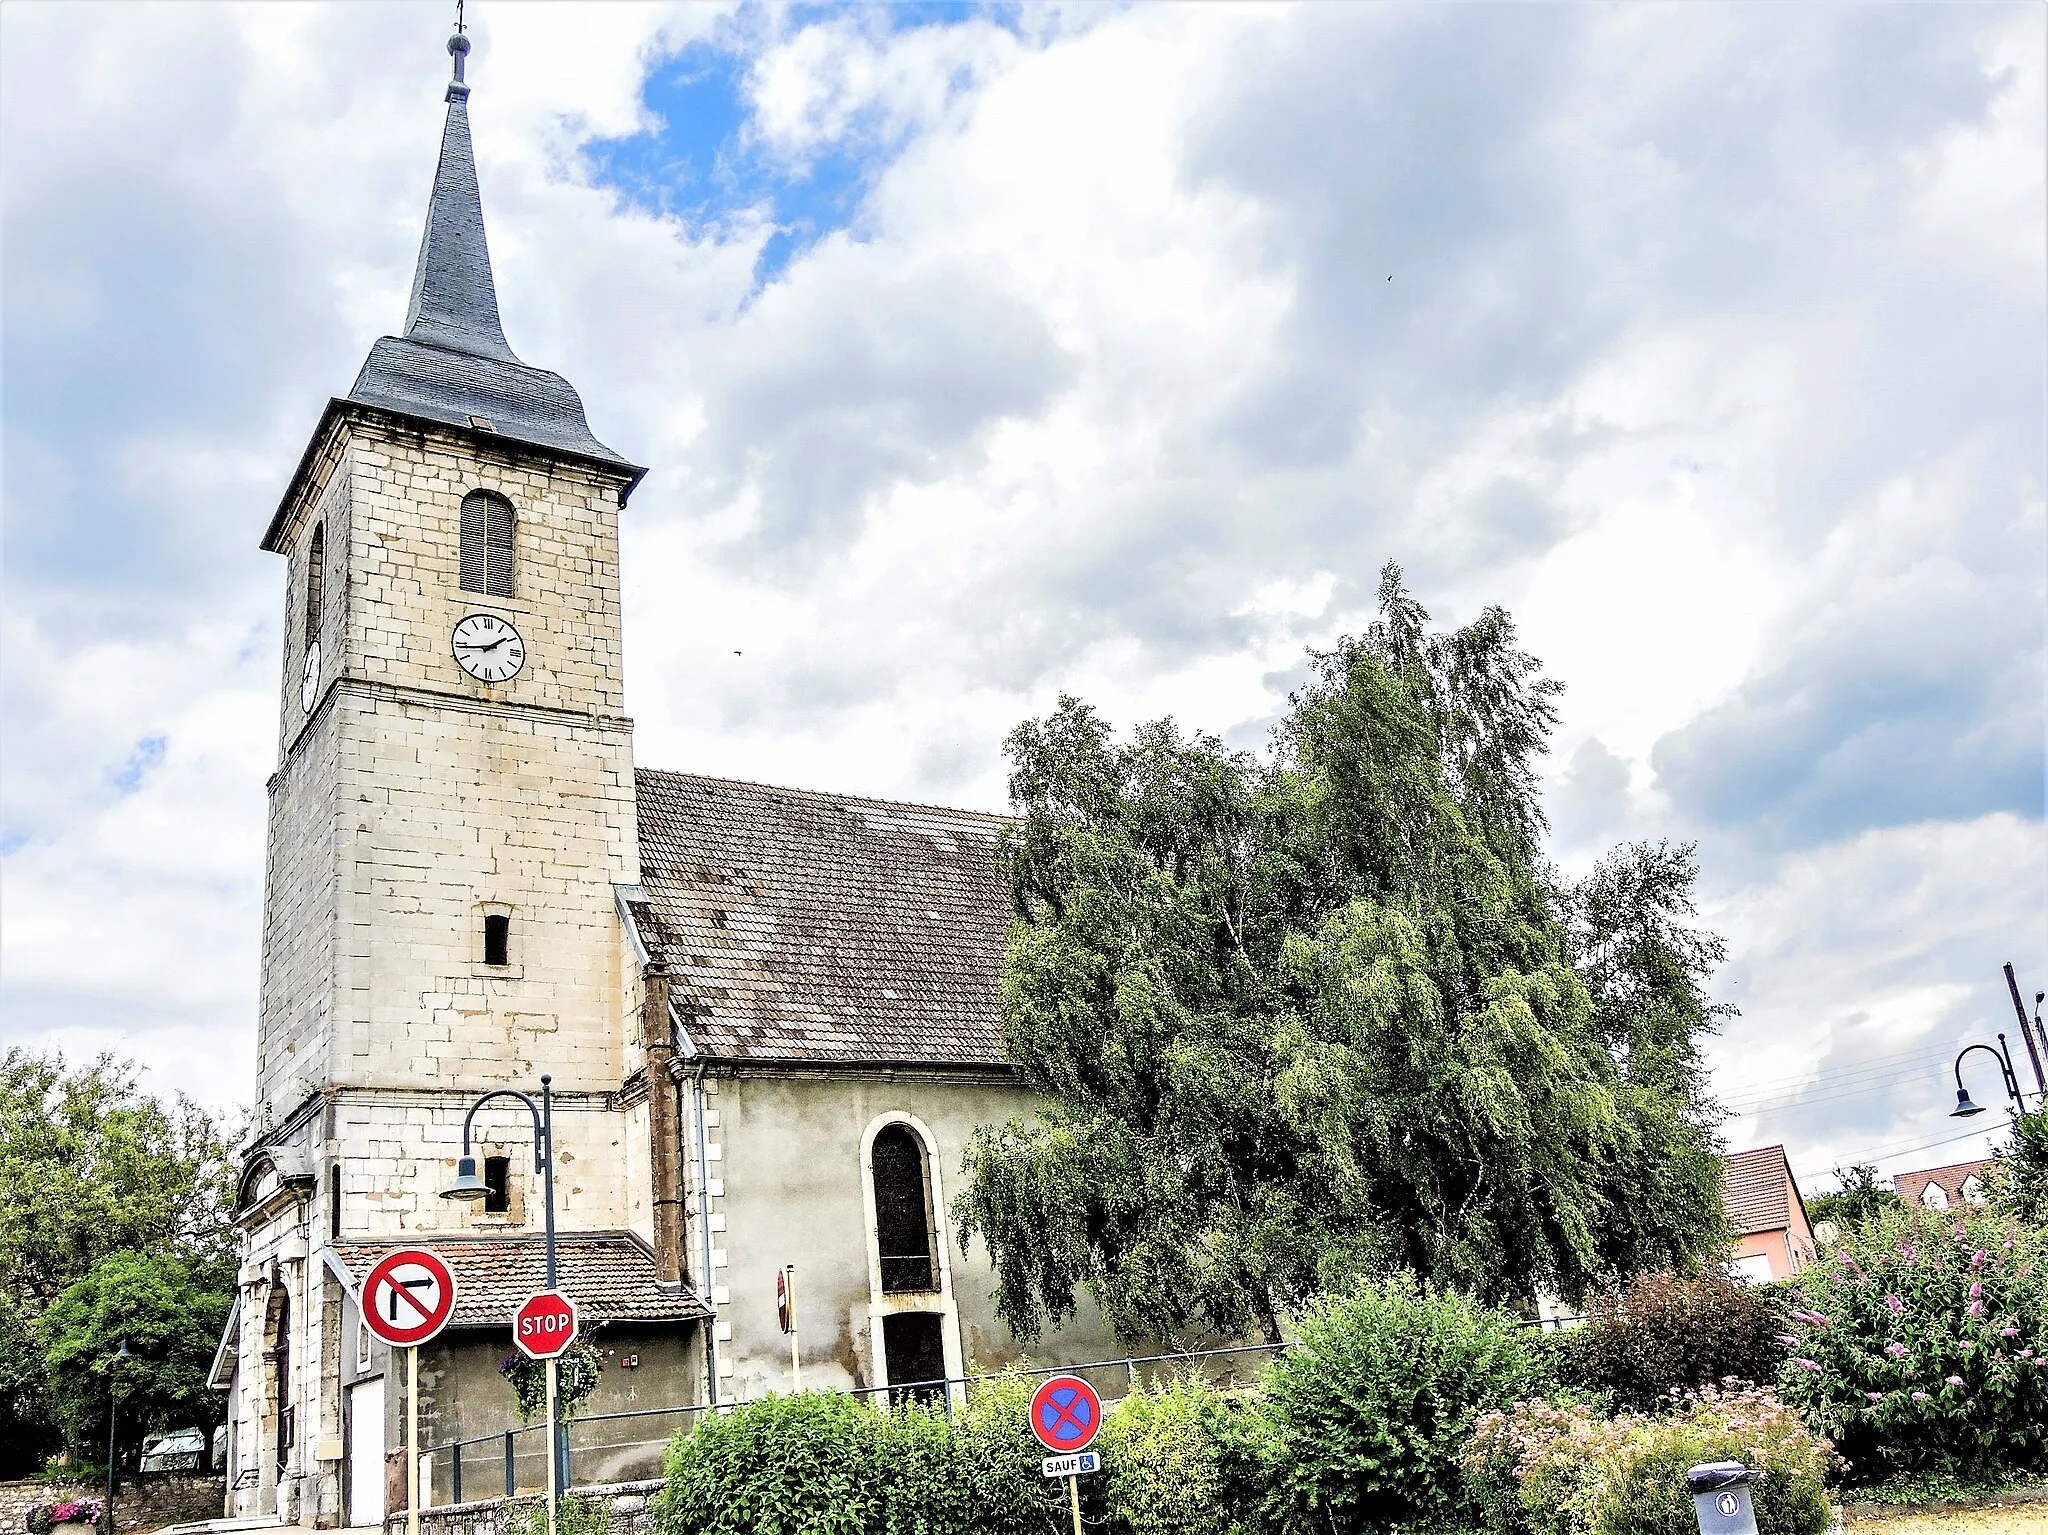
[(407, 1299), (1065, 1416), (544, 1327), (785, 1313)]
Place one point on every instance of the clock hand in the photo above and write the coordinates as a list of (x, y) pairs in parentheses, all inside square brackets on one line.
[(477, 650)]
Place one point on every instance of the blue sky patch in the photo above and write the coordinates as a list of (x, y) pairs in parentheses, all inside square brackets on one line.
[(148, 755)]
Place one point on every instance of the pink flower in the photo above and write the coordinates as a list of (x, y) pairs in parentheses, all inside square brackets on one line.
[(1875, 1396), (1906, 1251), (1898, 1306), (1976, 1308), (1977, 1258), (1976, 1290), (2008, 1332), (1955, 1380), (1896, 1350), (1919, 1396), (2026, 1353), (1787, 1339), (1806, 1364)]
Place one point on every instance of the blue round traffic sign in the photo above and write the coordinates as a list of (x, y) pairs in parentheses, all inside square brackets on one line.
[(1065, 1414)]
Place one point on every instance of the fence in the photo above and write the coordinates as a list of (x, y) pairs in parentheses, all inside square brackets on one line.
[(626, 1446), (604, 1447)]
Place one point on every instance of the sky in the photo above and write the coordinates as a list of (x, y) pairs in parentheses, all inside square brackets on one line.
[(983, 354)]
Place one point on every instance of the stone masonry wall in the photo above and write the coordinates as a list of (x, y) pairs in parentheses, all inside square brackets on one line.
[(513, 1516)]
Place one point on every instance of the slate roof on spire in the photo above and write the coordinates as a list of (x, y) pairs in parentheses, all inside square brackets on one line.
[(453, 364)]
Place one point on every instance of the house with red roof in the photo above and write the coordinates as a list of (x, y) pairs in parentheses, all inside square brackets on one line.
[(1764, 1207), (1956, 1186)]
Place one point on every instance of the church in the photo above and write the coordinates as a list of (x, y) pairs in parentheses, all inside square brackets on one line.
[(766, 1018)]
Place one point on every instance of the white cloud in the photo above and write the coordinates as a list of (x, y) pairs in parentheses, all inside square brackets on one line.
[(1711, 350)]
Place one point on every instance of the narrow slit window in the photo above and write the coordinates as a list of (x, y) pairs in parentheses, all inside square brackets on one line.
[(316, 580), (903, 1214), (488, 525), (497, 940), (334, 1200), (497, 1185)]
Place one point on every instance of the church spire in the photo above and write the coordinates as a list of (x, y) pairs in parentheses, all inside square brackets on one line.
[(452, 364), (454, 301)]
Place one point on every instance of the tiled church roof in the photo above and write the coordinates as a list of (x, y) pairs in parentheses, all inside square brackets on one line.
[(609, 1274), (822, 927)]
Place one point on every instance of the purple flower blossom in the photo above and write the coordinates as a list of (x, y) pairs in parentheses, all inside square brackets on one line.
[(1788, 1340), (1896, 1350), (1955, 1380), (1976, 1308), (1875, 1396), (1977, 1290), (1919, 1396), (1977, 1258), (1806, 1364), (1898, 1306), (1906, 1251), (2026, 1353), (2008, 1332)]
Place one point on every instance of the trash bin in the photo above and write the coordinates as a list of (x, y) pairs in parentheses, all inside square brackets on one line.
[(1720, 1498)]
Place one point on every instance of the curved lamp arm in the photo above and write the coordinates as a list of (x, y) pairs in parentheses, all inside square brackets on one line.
[(541, 1149), (2012, 1084)]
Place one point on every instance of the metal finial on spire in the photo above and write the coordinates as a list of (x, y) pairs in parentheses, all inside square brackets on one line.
[(458, 49)]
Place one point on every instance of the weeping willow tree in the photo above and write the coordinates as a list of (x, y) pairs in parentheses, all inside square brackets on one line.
[(1323, 1013)]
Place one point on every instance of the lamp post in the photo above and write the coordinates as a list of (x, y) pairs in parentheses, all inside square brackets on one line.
[(468, 1185), (111, 1383), (1964, 1108)]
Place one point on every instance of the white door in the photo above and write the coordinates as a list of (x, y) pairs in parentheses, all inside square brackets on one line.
[(366, 1452)]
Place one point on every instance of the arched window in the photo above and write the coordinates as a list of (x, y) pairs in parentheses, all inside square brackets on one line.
[(316, 579), (903, 1212), (1934, 1196), (487, 526)]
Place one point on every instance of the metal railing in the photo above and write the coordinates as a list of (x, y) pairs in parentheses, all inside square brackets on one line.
[(513, 1461)]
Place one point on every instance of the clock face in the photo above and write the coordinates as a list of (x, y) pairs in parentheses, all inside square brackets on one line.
[(488, 648), (309, 678)]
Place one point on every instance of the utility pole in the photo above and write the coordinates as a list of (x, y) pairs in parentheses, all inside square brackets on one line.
[(2027, 1033)]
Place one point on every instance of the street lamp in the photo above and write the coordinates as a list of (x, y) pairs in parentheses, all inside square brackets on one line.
[(1964, 1108), (111, 1382), (468, 1185)]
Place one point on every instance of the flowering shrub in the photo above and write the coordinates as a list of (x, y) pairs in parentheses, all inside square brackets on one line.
[(1546, 1468), (577, 1373), (1666, 1330), (79, 1511), (1919, 1346)]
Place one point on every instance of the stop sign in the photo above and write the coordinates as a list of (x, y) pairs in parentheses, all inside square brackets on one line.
[(545, 1325)]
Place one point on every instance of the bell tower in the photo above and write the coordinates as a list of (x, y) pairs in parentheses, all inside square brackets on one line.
[(454, 797)]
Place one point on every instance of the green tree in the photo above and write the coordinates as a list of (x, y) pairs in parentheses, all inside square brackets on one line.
[(1856, 1198), (91, 1168), (170, 1312), (2019, 1178), (1319, 1014)]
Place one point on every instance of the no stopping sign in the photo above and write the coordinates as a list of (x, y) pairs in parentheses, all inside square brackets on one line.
[(1065, 1414)]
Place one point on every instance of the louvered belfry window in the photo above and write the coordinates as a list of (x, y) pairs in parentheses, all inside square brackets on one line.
[(487, 524), (903, 1214)]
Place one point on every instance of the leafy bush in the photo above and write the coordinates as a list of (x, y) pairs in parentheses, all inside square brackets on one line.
[(1545, 1468), (577, 1373), (1666, 1330), (2019, 1178), (824, 1464), (1182, 1459), (1370, 1408), (1922, 1345), (573, 1516)]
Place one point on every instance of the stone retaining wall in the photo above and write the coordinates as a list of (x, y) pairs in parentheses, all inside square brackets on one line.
[(147, 1505), (499, 1516)]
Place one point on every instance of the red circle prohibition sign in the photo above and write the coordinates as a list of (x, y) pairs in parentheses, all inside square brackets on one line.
[(1065, 1414), (408, 1297)]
